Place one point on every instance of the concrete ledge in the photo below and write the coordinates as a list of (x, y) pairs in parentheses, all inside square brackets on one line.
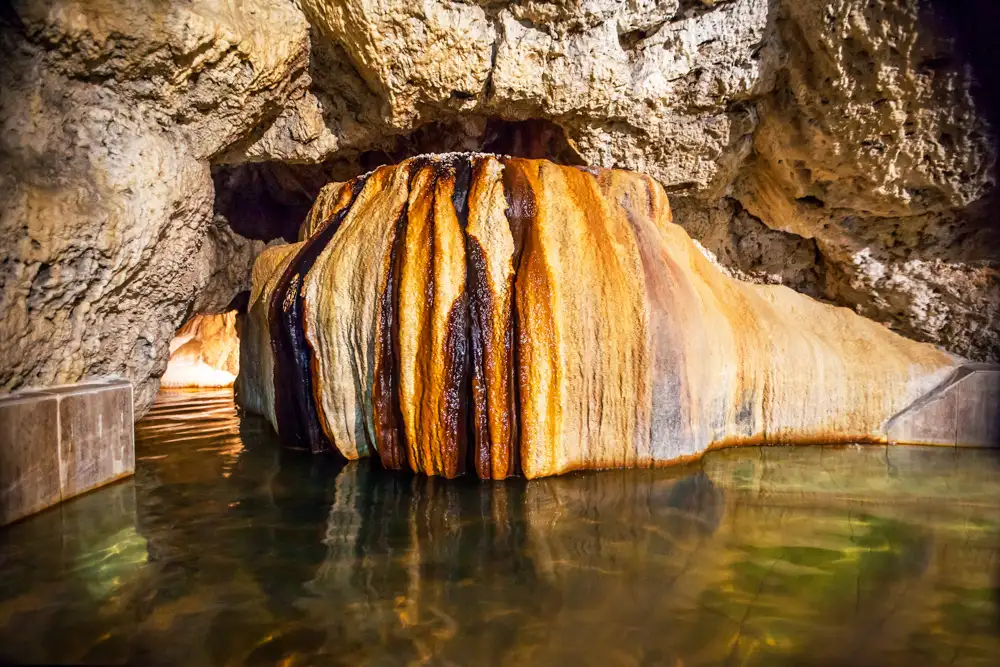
[(59, 442), (963, 411)]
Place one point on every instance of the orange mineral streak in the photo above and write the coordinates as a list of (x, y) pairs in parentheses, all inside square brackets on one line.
[(554, 318), (583, 323), (431, 295), (490, 253), (540, 376)]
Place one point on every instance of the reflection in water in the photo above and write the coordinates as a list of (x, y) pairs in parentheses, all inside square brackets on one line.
[(227, 549)]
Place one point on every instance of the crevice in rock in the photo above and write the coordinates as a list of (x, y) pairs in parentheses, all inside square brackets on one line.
[(498, 32), (266, 200), (688, 9), (751, 250), (633, 38), (536, 138)]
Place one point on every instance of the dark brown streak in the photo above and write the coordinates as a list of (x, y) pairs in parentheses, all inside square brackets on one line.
[(456, 387), (388, 417), (390, 432), (480, 307), (456, 377), (521, 213), (294, 400)]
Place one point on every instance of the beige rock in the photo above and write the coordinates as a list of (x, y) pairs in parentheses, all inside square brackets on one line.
[(872, 144), (904, 136), (414, 55)]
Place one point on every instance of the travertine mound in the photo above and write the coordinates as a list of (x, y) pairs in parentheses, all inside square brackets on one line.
[(472, 312)]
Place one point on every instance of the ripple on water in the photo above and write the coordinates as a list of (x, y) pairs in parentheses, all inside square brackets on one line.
[(227, 549)]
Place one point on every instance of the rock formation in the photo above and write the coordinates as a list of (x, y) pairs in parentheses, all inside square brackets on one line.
[(204, 353), (855, 138), (846, 133), (505, 315)]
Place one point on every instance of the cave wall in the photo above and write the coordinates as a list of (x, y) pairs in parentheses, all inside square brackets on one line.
[(111, 113), (841, 147)]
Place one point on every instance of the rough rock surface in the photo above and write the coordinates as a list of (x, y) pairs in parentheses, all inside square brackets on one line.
[(110, 114), (464, 311), (851, 136), (846, 129)]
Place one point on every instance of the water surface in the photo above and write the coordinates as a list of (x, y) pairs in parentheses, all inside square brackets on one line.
[(226, 549)]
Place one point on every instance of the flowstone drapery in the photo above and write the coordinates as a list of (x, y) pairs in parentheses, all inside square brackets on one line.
[(469, 312)]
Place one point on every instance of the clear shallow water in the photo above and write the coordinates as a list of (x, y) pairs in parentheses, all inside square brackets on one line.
[(225, 549)]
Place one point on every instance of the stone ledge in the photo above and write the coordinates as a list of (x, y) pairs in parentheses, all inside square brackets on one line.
[(59, 442), (963, 411)]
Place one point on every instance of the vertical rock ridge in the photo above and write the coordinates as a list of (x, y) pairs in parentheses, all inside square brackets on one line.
[(389, 432), (352, 269), (489, 254), (433, 329), (295, 405)]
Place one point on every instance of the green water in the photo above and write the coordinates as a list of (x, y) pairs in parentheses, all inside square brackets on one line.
[(225, 549)]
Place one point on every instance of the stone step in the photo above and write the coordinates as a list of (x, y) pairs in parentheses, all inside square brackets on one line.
[(59, 442)]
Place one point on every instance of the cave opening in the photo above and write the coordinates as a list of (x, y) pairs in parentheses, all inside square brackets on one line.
[(205, 351)]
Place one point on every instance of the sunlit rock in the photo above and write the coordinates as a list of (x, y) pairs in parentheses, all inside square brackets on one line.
[(204, 353), (464, 313)]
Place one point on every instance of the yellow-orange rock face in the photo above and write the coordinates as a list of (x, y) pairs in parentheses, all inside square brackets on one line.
[(478, 313), (204, 353)]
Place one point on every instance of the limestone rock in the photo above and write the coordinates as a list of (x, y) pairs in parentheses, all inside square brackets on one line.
[(873, 145), (110, 113), (506, 315), (851, 135), (905, 136), (415, 55)]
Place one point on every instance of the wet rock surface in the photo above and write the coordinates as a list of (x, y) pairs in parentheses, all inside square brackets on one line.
[(474, 313)]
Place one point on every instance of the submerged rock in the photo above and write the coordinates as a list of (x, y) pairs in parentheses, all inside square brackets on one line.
[(470, 312)]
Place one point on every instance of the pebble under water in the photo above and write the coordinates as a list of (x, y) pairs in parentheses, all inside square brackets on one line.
[(227, 549)]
